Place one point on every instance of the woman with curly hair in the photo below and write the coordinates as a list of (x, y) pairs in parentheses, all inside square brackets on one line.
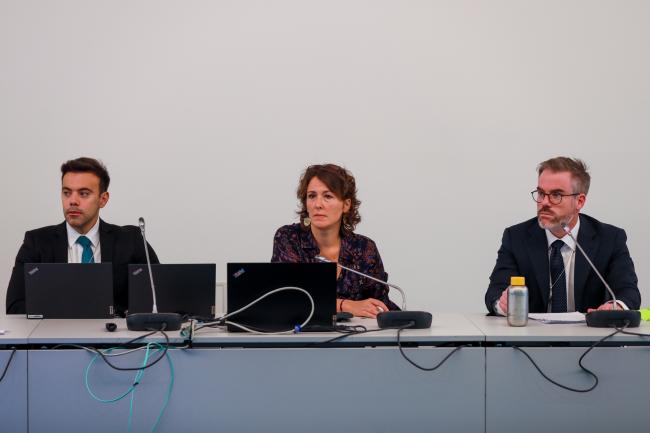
[(329, 212)]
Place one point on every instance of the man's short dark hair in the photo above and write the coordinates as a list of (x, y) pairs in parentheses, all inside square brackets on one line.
[(578, 169), (88, 165)]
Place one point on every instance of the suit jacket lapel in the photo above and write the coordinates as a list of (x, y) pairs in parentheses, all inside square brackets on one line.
[(586, 238), (106, 241), (537, 247), (61, 244)]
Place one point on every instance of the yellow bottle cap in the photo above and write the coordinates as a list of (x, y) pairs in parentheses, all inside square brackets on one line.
[(517, 281)]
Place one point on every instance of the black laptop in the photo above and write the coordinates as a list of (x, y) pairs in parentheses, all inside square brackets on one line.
[(69, 291), (284, 310), (187, 289)]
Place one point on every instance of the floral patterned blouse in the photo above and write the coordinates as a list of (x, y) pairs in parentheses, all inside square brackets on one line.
[(293, 244)]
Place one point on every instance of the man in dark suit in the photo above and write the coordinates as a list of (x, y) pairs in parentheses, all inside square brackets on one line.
[(83, 237), (558, 277)]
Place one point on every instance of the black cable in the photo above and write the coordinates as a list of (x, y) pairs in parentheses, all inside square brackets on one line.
[(115, 367), (335, 328), (399, 344), (151, 364), (4, 372), (413, 363), (153, 331), (251, 327), (309, 328), (591, 373), (348, 332), (638, 334), (350, 328)]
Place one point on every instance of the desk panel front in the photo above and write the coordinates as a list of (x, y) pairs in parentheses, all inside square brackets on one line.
[(366, 387), (13, 388), (519, 399)]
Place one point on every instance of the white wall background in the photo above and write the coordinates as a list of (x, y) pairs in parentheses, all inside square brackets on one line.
[(206, 112)]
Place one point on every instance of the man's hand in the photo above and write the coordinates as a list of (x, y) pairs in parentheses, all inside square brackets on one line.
[(503, 301), (606, 306)]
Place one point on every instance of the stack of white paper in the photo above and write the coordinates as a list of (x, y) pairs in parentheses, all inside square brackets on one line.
[(575, 317)]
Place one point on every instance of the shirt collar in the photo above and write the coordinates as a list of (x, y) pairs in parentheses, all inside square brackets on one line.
[(92, 235), (550, 237)]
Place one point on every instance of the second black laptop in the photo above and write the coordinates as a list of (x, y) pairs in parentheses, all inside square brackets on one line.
[(187, 289)]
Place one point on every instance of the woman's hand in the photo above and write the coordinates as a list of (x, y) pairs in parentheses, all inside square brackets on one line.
[(366, 308)]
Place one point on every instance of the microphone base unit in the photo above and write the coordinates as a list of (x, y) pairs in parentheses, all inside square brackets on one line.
[(613, 319), (153, 322), (343, 316), (396, 319)]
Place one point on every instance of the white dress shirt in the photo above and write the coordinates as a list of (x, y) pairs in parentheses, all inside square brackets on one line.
[(75, 250)]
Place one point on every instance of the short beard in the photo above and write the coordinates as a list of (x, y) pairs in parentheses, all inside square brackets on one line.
[(549, 225), (554, 223), (546, 226)]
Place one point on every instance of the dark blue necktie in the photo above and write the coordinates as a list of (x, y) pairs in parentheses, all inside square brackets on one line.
[(558, 278), (87, 256)]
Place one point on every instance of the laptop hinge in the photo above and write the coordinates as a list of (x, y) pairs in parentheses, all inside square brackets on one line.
[(34, 316)]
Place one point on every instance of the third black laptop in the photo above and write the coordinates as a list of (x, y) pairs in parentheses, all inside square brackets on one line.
[(284, 310)]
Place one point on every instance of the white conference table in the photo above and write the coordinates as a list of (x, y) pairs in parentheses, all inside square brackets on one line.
[(239, 382)]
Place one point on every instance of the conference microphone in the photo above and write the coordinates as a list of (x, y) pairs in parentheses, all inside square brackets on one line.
[(606, 318), (153, 321), (392, 319)]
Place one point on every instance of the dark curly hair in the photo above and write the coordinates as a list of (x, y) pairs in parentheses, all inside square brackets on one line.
[(343, 186)]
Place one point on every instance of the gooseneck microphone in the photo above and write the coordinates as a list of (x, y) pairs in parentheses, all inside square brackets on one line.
[(605, 318), (392, 319), (394, 286), (146, 252), (153, 321)]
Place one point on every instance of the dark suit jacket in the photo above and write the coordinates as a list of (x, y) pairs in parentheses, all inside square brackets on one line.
[(524, 252), (119, 245)]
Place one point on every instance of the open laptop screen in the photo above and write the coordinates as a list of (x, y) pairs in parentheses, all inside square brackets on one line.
[(283, 310), (186, 289), (69, 290)]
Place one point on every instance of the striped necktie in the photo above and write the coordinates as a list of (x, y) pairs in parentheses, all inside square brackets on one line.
[(558, 278)]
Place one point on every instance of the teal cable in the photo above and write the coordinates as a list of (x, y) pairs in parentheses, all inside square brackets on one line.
[(93, 395), (169, 392), (136, 380)]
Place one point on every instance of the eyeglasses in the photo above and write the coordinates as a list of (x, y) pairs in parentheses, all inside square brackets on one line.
[(553, 197)]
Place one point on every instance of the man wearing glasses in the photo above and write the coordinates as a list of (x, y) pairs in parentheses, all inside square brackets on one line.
[(558, 277)]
